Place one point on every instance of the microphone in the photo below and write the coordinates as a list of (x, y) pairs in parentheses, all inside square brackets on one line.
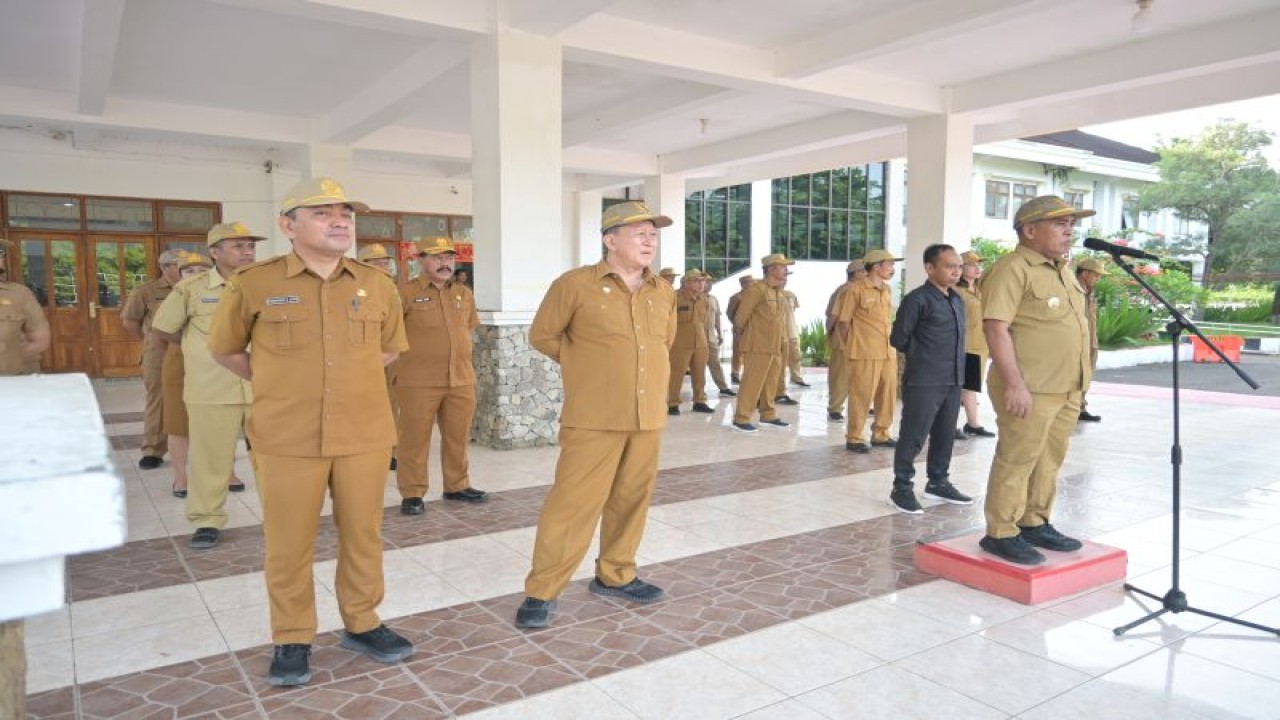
[(1104, 246)]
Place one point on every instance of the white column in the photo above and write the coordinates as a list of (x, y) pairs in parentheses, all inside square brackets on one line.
[(665, 194), (940, 163), (588, 206), (761, 222), (516, 165)]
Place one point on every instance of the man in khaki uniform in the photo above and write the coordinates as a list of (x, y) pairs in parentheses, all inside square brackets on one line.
[(217, 399), (136, 316), (761, 323), (435, 380), (715, 338), (837, 354), (975, 341), (668, 274), (690, 350), (864, 324), (1038, 332), (376, 255), (1088, 272), (24, 331), (322, 326), (791, 351), (735, 359), (610, 327)]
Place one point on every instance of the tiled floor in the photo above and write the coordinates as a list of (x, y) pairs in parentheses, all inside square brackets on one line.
[(792, 591)]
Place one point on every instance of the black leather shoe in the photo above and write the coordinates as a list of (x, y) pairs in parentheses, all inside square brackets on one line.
[(381, 644), (861, 448), (835, 417), (470, 495), (726, 392), (959, 436), (393, 464), (702, 408), (290, 665), (535, 613), (800, 383), (673, 410), (1086, 416), (735, 379), (890, 443), (1014, 549), (637, 591), (776, 423), (150, 462), (786, 400), (977, 431), (204, 538), (179, 493), (1048, 537), (412, 506), (236, 487)]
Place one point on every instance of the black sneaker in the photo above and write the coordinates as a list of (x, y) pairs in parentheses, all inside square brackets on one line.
[(204, 538), (1048, 537), (381, 644), (1086, 416), (673, 410), (861, 448), (905, 501), (471, 495), (977, 431), (745, 427), (890, 443), (946, 492), (393, 464), (776, 422), (835, 417), (535, 613), (959, 436), (150, 462), (726, 392), (1014, 549), (412, 506), (290, 665), (800, 383), (735, 379), (786, 400), (702, 408), (637, 591)]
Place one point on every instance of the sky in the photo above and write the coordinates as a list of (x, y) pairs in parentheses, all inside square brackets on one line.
[(1147, 132)]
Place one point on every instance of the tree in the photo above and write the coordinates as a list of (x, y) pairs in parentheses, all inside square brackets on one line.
[(1212, 178)]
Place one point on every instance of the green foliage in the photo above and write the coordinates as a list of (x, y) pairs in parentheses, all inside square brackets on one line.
[(813, 344), (990, 250), (1121, 324), (1239, 303), (1241, 293), (1127, 313), (1251, 313)]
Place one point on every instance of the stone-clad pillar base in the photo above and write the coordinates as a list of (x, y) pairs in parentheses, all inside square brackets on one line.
[(518, 390)]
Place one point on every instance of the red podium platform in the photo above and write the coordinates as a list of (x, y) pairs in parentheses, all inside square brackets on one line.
[(961, 560)]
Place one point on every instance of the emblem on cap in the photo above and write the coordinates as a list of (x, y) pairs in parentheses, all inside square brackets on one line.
[(329, 187)]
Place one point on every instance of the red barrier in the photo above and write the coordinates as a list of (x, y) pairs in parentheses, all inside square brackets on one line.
[(1231, 346)]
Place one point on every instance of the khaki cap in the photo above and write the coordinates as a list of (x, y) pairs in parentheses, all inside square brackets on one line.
[(1092, 265), (171, 257), (694, 274), (435, 246), (316, 192), (667, 272), (190, 259), (969, 257), (372, 252), (1047, 207), (878, 256), (631, 212), (776, 259), (227, 231), (855, 265)]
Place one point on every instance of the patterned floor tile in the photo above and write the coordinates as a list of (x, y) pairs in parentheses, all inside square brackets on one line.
[(388, 694), (609, 644), (57, 704), (211, 687), (710, 617), (491, 675)]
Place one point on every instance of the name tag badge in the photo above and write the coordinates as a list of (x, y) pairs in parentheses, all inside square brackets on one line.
[(422, 300), (1054, 303), (284, 300), (208, 299), (5, 301)]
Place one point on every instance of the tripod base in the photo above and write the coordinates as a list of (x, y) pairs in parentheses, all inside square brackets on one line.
[(1175, 601)]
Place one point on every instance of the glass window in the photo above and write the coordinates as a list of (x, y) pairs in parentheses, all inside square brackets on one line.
[(1022, 192), (821, 190), (187, 218), (781, 191), (135, 265), (1074, 199), (800, 190), (417, 227), (376, 227), (819, 234), (107, 270), (119, 215), (718, 229), (199, 247), (997, 203), (35, 269), (51, 212), (811, 231), (740, 231), (839, 245), (857, 189), (840, 184), (460, 230), (875, 187), (1129, 213), (66, 291)]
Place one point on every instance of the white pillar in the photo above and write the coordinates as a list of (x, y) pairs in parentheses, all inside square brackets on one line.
[(588, 206), (516, 165), (940, 163), (761, 222), (664, 194)]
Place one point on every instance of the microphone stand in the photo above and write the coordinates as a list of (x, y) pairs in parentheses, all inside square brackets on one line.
[(1175, 600)]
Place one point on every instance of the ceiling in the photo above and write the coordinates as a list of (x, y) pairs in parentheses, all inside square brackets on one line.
[(716, 90)]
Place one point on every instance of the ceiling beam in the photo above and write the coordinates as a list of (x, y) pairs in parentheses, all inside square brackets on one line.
[(549, 17), (856, 152), (659, 104), (99, 38), (423, 18), (391, 96), (1238, 42), (901, 28)]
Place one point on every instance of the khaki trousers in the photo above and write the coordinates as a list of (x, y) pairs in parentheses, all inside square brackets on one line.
[(792, 361), (214, 429), (292, 491), (1029, 453), (602, 476), (420, 409), (155, 441), (695, 361), (735, 357), (872, 383), (716, 367), (837, 378), (760, 373)]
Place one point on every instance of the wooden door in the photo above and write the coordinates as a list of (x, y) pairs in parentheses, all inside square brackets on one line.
[(54, 267), (117, 266)]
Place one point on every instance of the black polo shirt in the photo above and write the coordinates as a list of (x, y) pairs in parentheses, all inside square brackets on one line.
[(929, 330)]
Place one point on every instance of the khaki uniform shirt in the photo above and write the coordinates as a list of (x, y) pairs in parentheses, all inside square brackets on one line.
[(734, 301), (869, 311), (793, 304), (975, 340), (319, 387), (438, 324), (20, 315), (833, 315), (693, 317), (1046, 311), (140, 307), (612, 347), (713, 325), (760, 319), (189, 310)]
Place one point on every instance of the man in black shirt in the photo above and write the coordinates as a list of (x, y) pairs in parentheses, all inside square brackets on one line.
[(929, 330)]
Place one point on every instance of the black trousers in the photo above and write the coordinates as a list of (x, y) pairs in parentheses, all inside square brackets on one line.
[(927, 411)]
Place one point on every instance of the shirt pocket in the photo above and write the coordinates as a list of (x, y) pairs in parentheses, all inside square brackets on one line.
[(1048, 304), (658, 317), (11, 320), (364, 325), (202, 319), (283, 328)]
